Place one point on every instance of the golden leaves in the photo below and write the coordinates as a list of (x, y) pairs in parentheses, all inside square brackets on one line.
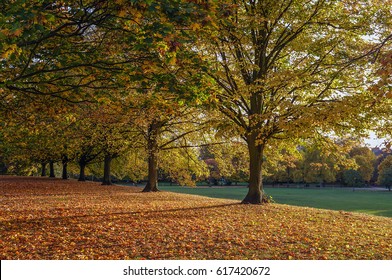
[(9, 50), (12, 33), (195, 26), (54, 219)]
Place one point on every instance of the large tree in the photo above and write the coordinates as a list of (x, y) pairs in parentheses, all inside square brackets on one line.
[(291, 69)]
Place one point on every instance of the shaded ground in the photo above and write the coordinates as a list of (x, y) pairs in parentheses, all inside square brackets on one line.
[(54, 219)]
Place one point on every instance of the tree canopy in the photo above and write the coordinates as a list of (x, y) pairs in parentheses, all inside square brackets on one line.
[(167, 77)]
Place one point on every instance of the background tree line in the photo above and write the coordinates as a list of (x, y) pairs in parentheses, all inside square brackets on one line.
[(354, 165)]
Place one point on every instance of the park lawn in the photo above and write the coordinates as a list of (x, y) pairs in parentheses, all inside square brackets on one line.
[(55, 219), (362, 201)]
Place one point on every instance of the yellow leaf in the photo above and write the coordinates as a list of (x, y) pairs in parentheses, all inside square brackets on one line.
[(173, 60), (122, 13), (10, 50), (195, 26)]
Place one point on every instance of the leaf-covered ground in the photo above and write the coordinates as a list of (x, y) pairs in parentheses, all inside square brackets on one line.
[(55, 219)]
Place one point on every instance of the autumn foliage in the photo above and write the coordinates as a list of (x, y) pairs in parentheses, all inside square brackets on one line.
[(43, 218)]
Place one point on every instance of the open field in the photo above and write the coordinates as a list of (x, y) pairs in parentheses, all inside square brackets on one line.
[(55, 219), (362, 201)]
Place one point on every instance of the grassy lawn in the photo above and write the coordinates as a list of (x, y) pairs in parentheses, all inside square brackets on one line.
[(369, 202)]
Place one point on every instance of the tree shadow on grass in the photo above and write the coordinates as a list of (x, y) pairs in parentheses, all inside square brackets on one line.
[(18, 223)]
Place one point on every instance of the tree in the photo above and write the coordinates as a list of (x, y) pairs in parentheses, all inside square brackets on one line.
[(35, 132), (281, 161), (365, 167), (385, 172), (353, 178), (182, 165), (131, 165), (165, 126), (92, 138), (232, 159), (289, 69), (385, 178), (319, 168), (112, 133), (157, 83)]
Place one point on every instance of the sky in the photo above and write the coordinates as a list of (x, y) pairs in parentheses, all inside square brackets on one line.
[(374, 141)]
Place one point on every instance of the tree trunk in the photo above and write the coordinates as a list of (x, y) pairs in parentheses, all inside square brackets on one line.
[(65, 164), (106, 170), (255, 189), (152, 183), (43, 169), (82, 176), (51, 169)]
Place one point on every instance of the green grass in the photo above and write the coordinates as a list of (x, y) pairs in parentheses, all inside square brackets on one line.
[(369, 202)]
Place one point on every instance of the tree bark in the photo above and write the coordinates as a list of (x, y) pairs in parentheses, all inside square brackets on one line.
[(106, 170), (152, 183), (51, 169), (152, 145), (43, 169), (255, 189), (64, 161), (82, 176)]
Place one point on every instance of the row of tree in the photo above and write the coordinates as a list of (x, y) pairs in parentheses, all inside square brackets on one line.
[(354, 165), (214, 163), (82, 80)]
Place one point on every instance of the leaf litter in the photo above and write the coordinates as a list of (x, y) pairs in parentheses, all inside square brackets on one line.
[(43, 218)]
